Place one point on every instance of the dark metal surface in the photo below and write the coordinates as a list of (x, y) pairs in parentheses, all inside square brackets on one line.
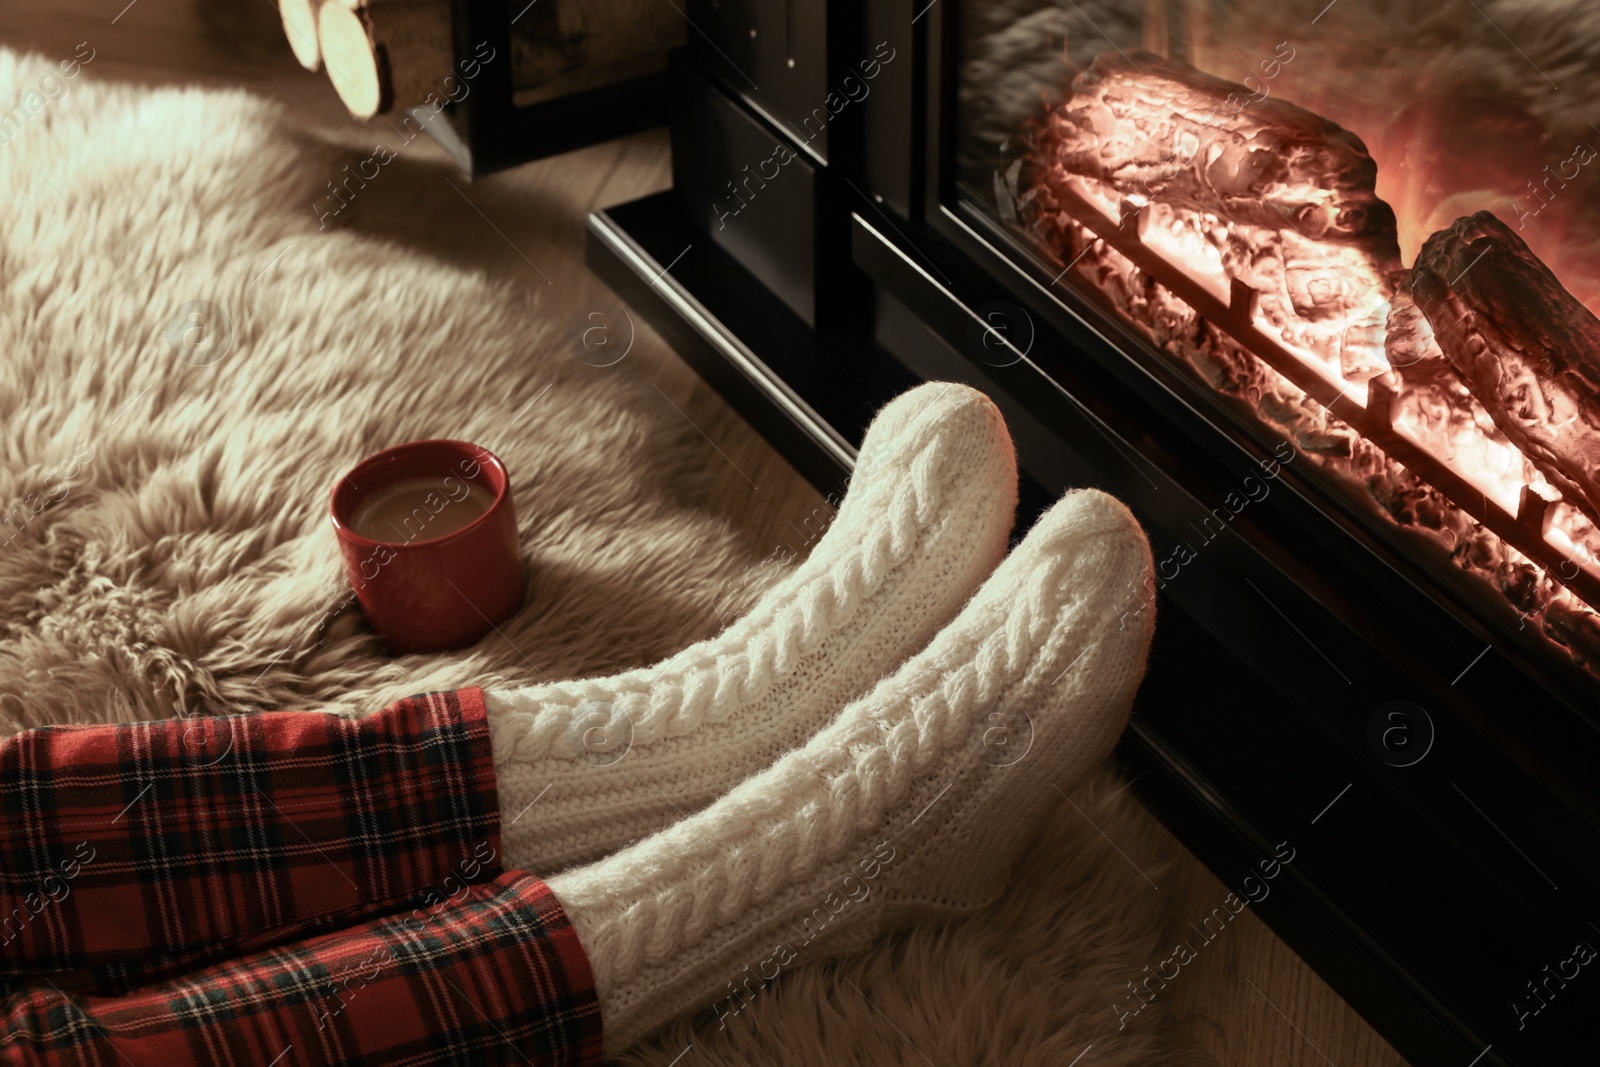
[(752, 192), (772, 55), (750, 171), (488, 131), (813, 394)]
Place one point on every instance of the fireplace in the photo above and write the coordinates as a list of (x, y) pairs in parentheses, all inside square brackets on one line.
[(1247, 239), (1312, 287)]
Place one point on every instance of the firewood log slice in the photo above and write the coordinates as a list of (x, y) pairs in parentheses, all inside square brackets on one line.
[(300, 27), (397, 51)]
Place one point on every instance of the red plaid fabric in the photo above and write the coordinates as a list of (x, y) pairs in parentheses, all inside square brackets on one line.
[(497, 977), (284, 887)]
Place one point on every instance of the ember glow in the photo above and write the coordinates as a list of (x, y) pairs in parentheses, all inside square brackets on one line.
[(1458, 398)]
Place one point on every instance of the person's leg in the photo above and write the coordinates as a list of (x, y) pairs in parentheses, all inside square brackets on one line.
[(603, 762), (907, 806), (177, 841), (914, 803), (174, 837), (129, 851), (498, 977)]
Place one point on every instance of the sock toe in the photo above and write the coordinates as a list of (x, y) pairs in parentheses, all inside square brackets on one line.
[(1034, 736), (978, 446), (944, 397)]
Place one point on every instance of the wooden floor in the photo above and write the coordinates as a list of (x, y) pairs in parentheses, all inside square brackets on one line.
[(1250, 1002)]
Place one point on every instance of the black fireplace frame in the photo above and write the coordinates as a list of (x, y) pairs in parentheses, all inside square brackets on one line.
[(1427, 894)]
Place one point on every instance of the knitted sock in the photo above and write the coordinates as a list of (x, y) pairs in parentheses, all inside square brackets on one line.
[(912, 804), (586, 767)]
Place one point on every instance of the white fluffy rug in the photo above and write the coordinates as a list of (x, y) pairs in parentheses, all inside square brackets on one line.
[(180, 559), (169, 553)]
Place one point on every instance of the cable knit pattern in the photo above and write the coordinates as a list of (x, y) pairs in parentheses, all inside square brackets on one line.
[(711, 680), (1057, 637), (610, 760)]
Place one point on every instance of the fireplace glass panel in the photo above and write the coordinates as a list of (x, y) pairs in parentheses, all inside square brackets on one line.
[(1370, 229)]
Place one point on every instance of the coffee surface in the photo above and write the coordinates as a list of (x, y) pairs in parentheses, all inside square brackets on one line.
[(420, 509)]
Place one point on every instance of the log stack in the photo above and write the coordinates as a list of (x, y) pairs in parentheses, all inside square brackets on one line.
[(386, 54)]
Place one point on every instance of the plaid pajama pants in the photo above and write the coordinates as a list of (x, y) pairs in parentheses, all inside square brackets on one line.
[(282, 888)]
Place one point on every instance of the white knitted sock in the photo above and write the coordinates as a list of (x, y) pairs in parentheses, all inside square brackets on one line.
[(913, 803), (586, 767)]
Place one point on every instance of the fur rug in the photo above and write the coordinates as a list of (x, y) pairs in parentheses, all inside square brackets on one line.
[(169, 553)]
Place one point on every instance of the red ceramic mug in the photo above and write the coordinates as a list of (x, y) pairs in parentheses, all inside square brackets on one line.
[(422, 590)]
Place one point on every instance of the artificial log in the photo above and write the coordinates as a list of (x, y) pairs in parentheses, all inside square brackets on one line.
[(1238, 187), (1151, 127), (300, 27), (1525, 348), (392, 53)]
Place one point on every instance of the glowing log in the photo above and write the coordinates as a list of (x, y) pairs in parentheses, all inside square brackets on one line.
[(1281, 199), (1527, 350)]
